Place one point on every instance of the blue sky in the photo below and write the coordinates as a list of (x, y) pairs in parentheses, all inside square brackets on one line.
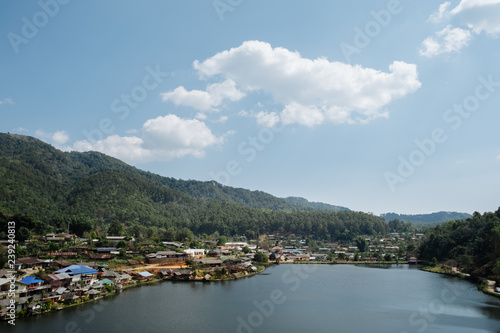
[(379, 106)]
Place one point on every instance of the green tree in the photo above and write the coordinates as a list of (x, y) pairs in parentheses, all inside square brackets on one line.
[(261, 257), (116, 228), (222, 240)]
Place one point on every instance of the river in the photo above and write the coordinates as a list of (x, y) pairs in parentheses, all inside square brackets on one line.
[(289, 298)]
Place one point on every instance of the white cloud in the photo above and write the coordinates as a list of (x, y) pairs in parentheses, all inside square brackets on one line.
[(267, 119), (163, 138), (207, 100), (312, 91), (7, 101), (222, 119), (58, 138), (480, 15), (445, 41), (20, 130), (441, 13)]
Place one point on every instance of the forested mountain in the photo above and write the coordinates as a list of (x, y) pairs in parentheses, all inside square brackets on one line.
[(314, 205), (39, 183), (426, 218), (473, 243)]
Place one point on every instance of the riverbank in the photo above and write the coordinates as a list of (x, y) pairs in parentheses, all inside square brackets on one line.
[(485, 285)]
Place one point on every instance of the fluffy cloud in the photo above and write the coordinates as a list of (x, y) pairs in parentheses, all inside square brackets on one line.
[(204, 100), (58, 138), (311, 91), (267, 119), (445, 41), (441, 13), (480, 15), (163, 138)]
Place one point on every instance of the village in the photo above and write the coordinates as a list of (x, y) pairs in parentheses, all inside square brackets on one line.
[(63, 270)]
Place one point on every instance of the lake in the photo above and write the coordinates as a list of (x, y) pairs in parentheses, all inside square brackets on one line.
[(289, 298)]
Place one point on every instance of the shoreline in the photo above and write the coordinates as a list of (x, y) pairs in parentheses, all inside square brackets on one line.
[(130, 286), (484, 285)]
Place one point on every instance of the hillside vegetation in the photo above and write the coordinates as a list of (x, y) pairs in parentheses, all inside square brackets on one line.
[(43, 188)]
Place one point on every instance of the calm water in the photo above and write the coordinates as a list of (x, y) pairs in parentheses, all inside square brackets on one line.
[(289, 298)]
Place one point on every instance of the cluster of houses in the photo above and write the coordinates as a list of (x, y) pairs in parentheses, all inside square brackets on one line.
[(69, 284)]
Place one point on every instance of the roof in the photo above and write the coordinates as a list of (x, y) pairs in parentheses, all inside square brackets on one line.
[(29, 261), (77, 269), (145, 274), (30, 280), (105, 281)]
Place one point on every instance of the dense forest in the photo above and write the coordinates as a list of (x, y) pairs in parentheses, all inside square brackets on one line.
[(45, 189), (472, 244), (432, 218)]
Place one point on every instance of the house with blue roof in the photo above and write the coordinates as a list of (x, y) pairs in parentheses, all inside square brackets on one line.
[(81, 273), (77, 270), (31, 282)]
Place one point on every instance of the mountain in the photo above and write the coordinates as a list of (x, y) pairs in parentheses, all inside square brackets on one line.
[(44, 187), (426, 218), (313, 205)]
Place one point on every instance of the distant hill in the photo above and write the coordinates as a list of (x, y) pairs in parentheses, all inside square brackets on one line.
[(426, 218), (314, 205), (41, 184)]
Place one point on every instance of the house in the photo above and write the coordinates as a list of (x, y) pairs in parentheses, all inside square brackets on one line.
[(23, 263), (166, 257), (412, 261), (182, 274), (20, 289), (110, 274), (173, 245), (60, 263), (235, 246), (124, 278), (70, 297), (209, 262), (115, 239), (77, 270), (195, 253), (106, 282), (57, 280), (106, 249), (79, 273), (31, 282), (63, 254), (143, 276)]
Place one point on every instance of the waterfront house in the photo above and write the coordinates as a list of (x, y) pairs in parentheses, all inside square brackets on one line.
[(181, 274), (143, 276), (79, 273), (57, 280), (412, 261)]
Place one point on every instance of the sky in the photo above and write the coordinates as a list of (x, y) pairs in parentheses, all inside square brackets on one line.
[(378, 106)]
